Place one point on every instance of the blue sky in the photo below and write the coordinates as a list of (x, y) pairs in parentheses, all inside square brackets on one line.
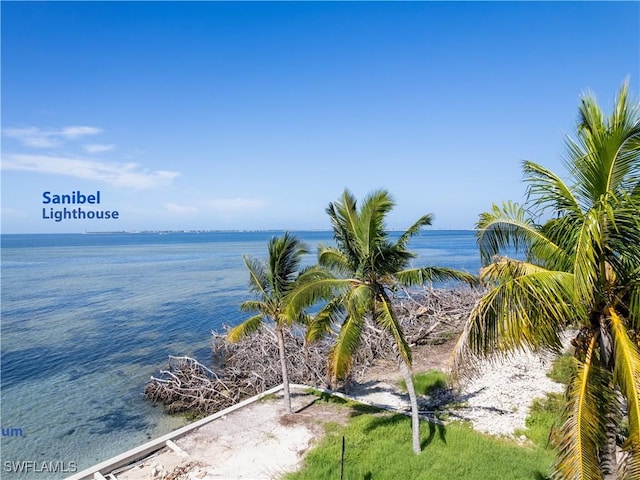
[(239, 115)]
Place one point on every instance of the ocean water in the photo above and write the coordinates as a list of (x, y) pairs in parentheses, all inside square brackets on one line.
[(86, 319)]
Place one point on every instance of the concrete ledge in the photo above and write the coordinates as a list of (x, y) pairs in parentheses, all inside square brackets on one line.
[(145, 449)]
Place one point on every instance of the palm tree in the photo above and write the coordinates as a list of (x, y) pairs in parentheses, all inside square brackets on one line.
[(271, 283), (580, 266), (361, 273)]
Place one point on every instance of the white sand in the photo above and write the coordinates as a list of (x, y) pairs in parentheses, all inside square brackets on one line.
[(255, 442)]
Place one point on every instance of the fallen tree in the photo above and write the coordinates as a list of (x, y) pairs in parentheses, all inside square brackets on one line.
[(251, 366)]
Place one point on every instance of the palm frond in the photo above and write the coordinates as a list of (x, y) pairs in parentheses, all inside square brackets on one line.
[(505, 268), (263, 307), (586, 268), (322, 322), (528, 311), (386, 318), (422, 276), (258, 276), (313, 287), (604, 157), (370, 226), (547, 189), (634, 301), (509, 227), (359, 300), (627, 375), (623, 128), (285, 255), (334, 259), (343, 350), (582, 433), (344, 221), (245, 329), (423, 221), (629, 465)]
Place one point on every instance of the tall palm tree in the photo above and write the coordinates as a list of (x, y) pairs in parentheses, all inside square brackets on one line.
[(271, 282), (361, 273), (580, 266)]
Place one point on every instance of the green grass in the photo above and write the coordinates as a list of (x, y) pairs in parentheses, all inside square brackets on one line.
[(545, 419), (378, 447), (427, 382), (563, 369)]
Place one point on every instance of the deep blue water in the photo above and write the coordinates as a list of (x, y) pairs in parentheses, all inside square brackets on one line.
[(87, 318)]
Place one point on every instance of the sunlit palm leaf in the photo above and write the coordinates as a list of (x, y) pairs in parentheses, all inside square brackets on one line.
[(528, 311), (371, 228), (314, 287), (423, 221), (334, 259), (505, 268), (359, 300), (343, 350), (546, 189), (582, 433), (627, 375), (386, 318), (555, 247), (322, 322), (344, 220), (508, 227), (245, 329), (586, 267), (629, 466)]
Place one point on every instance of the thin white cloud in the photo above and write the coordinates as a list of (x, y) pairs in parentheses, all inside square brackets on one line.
[(129, 175), (217, 206), (98, 148), (75, 132), (234, 204), (40, 138), (180, 209)]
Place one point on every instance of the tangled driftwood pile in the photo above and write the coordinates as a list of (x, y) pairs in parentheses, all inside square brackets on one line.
[(243, 369)]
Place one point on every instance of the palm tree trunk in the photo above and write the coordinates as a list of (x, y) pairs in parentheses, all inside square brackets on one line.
[(285, 375), (415, 419)]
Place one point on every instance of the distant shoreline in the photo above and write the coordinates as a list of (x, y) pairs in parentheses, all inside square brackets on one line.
[(168, 232)]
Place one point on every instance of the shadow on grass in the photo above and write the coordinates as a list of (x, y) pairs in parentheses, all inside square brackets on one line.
[(356, 408), (433, 428), (389, 421), (540, 476)]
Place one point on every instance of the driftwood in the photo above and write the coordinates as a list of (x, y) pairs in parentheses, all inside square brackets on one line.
[(242, 369), (251, 366)]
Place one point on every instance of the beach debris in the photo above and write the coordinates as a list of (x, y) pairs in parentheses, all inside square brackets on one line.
[(251, 366)]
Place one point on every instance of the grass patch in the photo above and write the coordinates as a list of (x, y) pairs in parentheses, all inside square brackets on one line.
[(268, 398), (563, 369), (426, 382), (378, 447), (545, 419)]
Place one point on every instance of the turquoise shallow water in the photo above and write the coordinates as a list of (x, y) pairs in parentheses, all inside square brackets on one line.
[(87, 318)]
